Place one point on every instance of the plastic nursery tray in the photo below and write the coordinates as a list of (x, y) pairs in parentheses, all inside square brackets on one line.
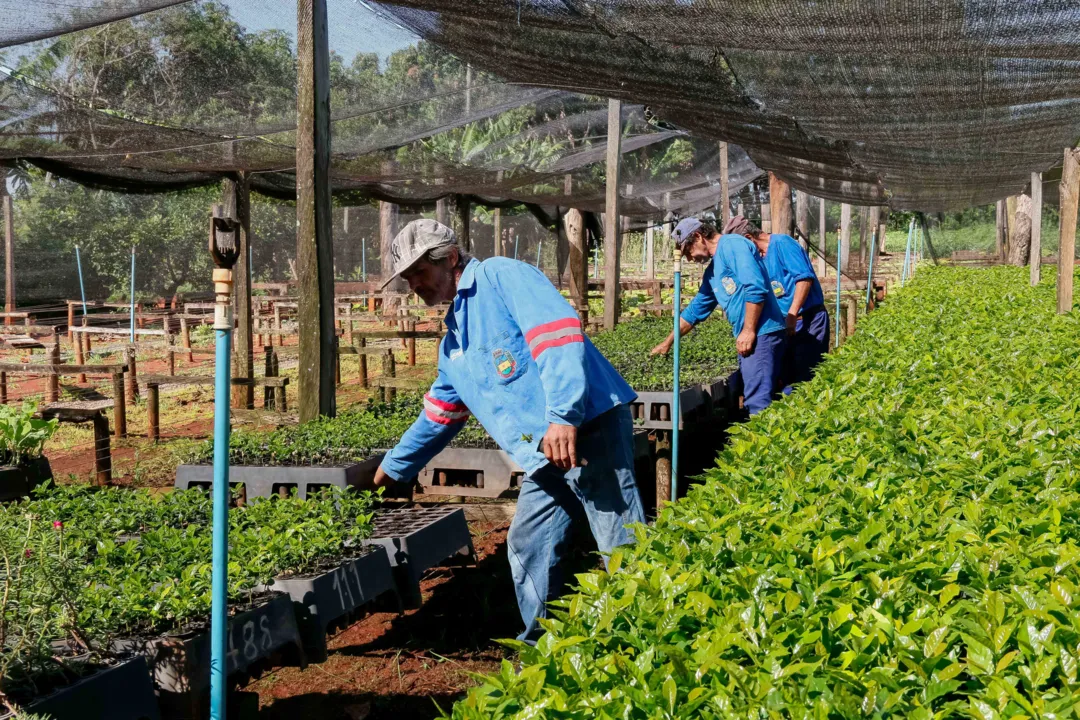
[(320, 600), (652, 410), (180, 664), (264, 481), (122, 692), (471, 472), (417, 539)]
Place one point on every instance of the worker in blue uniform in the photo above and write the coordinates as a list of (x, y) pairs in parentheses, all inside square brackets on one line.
[(737, 281), (515, 357), (798, 291)]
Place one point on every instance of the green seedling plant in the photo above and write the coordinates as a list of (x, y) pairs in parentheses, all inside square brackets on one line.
[(897, 539), (22, 436)]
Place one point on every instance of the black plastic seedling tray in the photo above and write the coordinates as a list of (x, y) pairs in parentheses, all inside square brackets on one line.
[(417, 539), (320, 600), (122, 692), (264, 481)]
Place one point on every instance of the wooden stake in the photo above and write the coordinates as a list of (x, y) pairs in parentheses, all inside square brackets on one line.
[(1070, 194), (71, 321), (268, 371), (411, 343), (852, 315), (1036, 228), (389, 371), (152, 411), (362, 343), (102, 450), (802, 216), (132, 375), (845, 237), (52, 388), (314, 241), (611, 222), (3, 388), (574, 222), (80, 359), (119, 406)]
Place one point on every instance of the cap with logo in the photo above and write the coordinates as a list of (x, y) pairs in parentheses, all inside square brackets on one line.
[(685, 230), (414, 241)]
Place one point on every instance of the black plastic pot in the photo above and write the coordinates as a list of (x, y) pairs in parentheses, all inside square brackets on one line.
[(16, 481), (122, 692)]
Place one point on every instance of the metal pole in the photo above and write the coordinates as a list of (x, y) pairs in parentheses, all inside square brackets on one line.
[(596, 262), (676, 415), (517, 239), (539, 249), (838, 248), (363, 259), (82, 289), (220, 581), (870, 270), (132, 294), (907, 253)]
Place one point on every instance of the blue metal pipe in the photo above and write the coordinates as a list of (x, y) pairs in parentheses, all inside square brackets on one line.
[(676, 415), (870, 271), (539, 250), (220, 579), (907, 254), (132, 295), (517, 239), (82, 289), (839, 249), (596, 262), (363, 259)]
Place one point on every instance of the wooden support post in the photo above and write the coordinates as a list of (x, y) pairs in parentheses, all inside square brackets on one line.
[(411, 342), (852, 317), (362, 357), (102, 450), (725, 187), (282, 400), (119, 405), (1036, 228), (845, 237), (9, 252), (574, 222), (780, 205), (802, 216), (185, 338), (611, 217), (80, 358), (314, 241), (1070, 194), (442, 211), (766, 218), (1001, 227), (337, 361), (277, 326), (132, 375), (152, 412), (388, 371), (71, 321), (348, 324), (388, 228), (268, 371), (822, 266), (464, 208), (3, 388), (52, 388), (663, 468), (650, 252)]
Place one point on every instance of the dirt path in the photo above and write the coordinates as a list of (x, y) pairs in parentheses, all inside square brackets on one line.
[(402, 666)]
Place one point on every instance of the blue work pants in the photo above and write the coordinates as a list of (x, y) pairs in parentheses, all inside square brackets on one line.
[(762, 371), (807, 347), (540, 534)]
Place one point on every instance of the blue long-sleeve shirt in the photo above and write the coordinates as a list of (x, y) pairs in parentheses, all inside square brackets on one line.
[(788, 263), (736, 276), (515, 357)]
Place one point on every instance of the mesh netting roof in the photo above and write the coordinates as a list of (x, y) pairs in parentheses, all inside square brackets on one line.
[(928, 104), (150, 96)]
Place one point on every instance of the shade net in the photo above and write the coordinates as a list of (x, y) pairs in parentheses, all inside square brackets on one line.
[(158, 96)]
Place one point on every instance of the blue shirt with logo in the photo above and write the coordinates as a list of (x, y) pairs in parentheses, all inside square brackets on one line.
[(787, 263), (515, 356), (736, 276)]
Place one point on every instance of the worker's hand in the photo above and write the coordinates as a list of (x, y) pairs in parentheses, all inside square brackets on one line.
[(381, 479), (744, 343), (560, 446), (662, 349), (792, 321)]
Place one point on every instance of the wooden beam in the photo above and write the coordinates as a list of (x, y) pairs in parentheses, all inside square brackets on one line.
[(611, 218), (725, 187), (314, 251), (236, 197), (1036, 227), (780, 204), (9, 251), (1070, 194)]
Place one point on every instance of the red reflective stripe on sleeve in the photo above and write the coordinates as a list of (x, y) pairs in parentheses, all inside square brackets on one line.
[(440, 419), (557, 342), (551, 326), (442, 404)]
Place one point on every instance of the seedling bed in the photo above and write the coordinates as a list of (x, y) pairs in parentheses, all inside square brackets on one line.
[(180, 663), (417, 539), (321, 601), (121, 692), (260, 481), (652, 409)]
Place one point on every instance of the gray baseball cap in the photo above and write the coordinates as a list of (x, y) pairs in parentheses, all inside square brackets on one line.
[(414, 241), (686, 228)]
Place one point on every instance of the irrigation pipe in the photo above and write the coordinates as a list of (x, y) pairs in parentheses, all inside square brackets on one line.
[(676, 415)]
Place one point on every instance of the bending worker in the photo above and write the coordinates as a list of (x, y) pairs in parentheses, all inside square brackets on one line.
[(737, 280), (515, 357), (798, 291)]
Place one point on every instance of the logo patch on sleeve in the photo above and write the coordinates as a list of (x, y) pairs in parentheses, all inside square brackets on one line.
[(729, 285), (504, 362), (777, 288)]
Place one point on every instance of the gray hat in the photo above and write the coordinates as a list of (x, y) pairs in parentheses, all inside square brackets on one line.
[(414, 241), (684, 230)]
